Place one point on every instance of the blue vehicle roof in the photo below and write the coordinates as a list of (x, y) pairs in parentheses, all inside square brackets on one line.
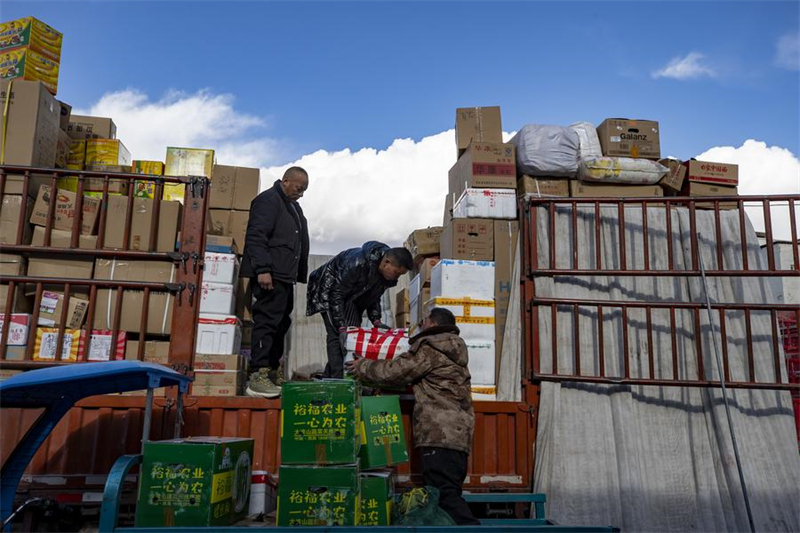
[(43, 387)]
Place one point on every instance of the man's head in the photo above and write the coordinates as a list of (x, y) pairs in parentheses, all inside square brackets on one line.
[(294, 183), (439, 316), (395, 263)]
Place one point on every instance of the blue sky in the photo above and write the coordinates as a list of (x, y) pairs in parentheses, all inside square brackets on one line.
[(336, 75)]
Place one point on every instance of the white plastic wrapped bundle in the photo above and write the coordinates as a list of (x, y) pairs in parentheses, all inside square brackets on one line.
[(587, 139), (621, 170), (546, 151)]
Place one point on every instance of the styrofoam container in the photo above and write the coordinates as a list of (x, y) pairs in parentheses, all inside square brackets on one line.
[(486, 203), (218, 334), (414, 288), (460, 278), (220, 268), (474, 318), (218, 298), (481, 362)]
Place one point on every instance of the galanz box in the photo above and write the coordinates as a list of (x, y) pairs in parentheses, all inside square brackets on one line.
[(713, 173)]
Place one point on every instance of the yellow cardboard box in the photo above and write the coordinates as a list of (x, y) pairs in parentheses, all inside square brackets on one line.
[(32, 33), (186, 162), (107, 152), (25, 64), (146, 189)]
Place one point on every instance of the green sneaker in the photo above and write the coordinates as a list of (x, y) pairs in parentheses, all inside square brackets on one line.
[(278, 377), (260, 385)]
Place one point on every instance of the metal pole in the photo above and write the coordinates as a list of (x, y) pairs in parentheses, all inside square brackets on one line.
[(148, 415), (725, 391)]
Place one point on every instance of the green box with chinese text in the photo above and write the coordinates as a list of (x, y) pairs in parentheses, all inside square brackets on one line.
[(318, 495), (199, 481), (319, 422), (383, 440), (377, 498)]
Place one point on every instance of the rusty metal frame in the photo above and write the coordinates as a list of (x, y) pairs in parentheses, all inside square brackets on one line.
[(189, 259), (534, 305)]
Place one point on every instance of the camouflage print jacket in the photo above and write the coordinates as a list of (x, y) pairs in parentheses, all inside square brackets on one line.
[(436, 366)]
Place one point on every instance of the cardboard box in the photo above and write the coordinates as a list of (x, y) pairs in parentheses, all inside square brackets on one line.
[(25, 64), (384, 440), (319, 422), (186, 162), (456, 279), (65, 210), (318, 496), (425, 268), (18, 331), (707, 189), (244, 301), (229, 223), (506, 241), (402, 302), (724, 174), (672, 183), (475, 318), (142, 188), (46, 345), (213, 390), (622, 137), (582, 189), (486, 203), (417, 306), (51, 308), (22, 302), (542, 187), (477, 124), (103, 347), (141, 224), (31, 33), (86, 127), (15, 353), (6, 373), (134, 270), (218, 298), (218, 334), (198, 481), (484, 165), (12, 265), (107, 152), (10, 213), (154, 351), (32, 124), (377, 498), (63, 149), (220, 268), (219, 378), (76, 158), (66, 113), (402, 320), (233, 362), (63, 239), (221, 244), (424, 242), (234, 187), (60, 268), (449, 200), (468, 238)]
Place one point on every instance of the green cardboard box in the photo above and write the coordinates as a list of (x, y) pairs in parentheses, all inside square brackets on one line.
[(383, 441), (377, 498), (319, 422), (199, 481), (318, 496)]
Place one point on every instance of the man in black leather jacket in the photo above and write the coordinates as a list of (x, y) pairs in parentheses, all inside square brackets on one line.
[(275, 258), (349, 284)]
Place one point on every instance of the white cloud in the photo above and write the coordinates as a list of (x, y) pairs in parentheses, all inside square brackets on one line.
[(788, 51), (685, 68)]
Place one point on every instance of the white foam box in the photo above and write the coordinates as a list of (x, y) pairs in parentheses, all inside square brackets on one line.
[(486, 203), (220, 268), (218, 334), (461, 278), (414, 287), (474, 318), (482, 366), (218, 298)]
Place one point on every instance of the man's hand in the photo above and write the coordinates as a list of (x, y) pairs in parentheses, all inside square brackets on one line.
[(351, 367), (265, 280)]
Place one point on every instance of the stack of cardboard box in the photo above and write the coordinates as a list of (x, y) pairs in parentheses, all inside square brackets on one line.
[(31, 50), (425, 248)]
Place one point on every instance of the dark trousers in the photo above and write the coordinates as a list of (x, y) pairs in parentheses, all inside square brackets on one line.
[(272, 316), (333, 341), (446, 469)]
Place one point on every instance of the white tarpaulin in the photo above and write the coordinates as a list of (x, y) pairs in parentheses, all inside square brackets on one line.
[(648, 458)]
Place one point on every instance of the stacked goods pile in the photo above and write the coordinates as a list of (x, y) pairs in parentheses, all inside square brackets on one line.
[(336, 454), (30, 50), (424, 247)]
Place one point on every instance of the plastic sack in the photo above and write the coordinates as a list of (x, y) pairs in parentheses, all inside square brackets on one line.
[(622, 170), (547, 151), (588, 140), (375, 343), (420, 507)]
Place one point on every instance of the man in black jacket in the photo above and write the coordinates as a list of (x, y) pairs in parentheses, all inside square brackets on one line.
[(275, 258), (349, 284)]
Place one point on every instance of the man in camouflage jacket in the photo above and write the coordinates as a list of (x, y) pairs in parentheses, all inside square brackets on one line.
[(436, 365)]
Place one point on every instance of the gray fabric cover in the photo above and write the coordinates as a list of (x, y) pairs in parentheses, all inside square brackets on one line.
[(547, 151)]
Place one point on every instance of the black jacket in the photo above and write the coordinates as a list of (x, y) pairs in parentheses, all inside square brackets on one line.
[(350, 277), (277, 238)]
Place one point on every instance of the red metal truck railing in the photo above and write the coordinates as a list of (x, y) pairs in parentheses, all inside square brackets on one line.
[(543, 242)]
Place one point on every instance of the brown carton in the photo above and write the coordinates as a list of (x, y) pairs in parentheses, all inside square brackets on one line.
[(22, 303), (154, 351), (424, 242), (707, 189), (85, 127), (63, 149), (244, 300), (141, 224), (425, 268), (582, 189), (538, 187), (506, 234), (238, 225), (673, 182), (234, 187), (65, 210), (484, 165), (52, 305), (63, 239), (64, 115), (210, 390), (229, 223), (218, 378), (10, 212), (477, 124), (60, 268), (229, 363), (403, 302), (724, 174), (622, 137), (31, 124), (12, 265), (468, 238)]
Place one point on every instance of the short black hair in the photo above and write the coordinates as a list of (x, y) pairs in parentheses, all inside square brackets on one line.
[(295, 171), (400, 257), (442, 316)]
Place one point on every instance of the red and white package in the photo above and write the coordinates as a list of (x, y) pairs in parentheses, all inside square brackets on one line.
[(375, 343)]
